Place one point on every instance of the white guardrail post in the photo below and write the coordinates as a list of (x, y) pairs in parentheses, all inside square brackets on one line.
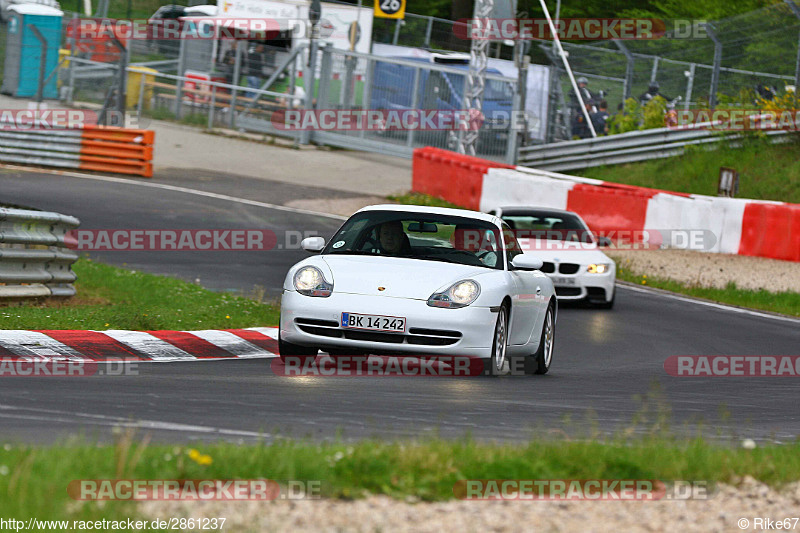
[(34, 259)]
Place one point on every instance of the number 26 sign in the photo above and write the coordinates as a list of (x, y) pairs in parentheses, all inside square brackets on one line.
[(390, 9)]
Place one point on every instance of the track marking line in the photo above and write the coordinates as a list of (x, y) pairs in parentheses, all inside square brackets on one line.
[(715, 305), (175, 188), (52, 415)]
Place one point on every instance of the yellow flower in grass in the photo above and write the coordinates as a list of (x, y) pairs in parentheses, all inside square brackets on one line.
[(200, 458)]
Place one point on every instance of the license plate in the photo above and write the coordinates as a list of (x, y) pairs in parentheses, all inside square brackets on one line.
[(569, 282), (394, 324)]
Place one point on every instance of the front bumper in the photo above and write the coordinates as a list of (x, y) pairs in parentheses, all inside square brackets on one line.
[(582, 285), (316, 322)]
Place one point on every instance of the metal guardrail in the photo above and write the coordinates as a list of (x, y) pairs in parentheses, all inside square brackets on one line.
[(34, 259), (623, 148), (118, 150), (57, 148)]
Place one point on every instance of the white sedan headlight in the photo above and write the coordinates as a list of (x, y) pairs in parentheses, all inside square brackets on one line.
[(599, 268), (309, 281), (459, 294)]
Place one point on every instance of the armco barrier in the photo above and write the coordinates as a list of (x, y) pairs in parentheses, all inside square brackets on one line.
[(455, 177), (116, 150), (740, 226), (34, 259)]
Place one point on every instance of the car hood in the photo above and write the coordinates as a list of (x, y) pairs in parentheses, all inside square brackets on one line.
[(557, 251), (400, 277)]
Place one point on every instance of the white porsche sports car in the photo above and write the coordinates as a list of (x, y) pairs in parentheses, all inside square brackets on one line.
[(569, 250), (412, 280)]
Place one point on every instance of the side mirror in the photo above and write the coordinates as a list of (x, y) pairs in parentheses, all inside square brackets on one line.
[(312, 244), (603, 242), (526, 262)]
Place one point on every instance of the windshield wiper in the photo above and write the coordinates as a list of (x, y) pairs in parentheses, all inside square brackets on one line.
[(352, 252)]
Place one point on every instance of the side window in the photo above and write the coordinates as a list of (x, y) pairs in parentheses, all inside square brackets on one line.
[(513, 248)]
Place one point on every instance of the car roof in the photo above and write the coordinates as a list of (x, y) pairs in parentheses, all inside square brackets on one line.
[(209, 10), (524, 208), (433, 211)]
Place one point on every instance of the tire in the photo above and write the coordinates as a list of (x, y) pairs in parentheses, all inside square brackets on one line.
[(499, 364), (295, 351), (540, 361)]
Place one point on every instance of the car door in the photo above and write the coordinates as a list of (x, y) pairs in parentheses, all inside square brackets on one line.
[(528, 301)]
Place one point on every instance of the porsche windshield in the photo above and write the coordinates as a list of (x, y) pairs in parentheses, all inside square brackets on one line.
[(423, 236)]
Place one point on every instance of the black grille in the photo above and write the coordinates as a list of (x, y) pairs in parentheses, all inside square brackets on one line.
[(373, 336), (568, 291), (323, 328), (548, 268), (568, 268), (317, 322), (435, 332)]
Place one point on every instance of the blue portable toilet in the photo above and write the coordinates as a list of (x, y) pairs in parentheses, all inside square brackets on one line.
[(24, 51)]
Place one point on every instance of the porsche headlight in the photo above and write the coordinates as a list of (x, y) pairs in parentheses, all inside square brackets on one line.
[(309, 281), (459, 294), (599, 268)]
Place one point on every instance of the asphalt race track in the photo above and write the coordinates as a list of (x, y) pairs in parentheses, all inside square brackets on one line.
[(607, 363)]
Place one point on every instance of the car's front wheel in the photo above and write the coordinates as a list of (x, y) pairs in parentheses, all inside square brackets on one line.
[(540, 362), (498, 363), (298, 353)]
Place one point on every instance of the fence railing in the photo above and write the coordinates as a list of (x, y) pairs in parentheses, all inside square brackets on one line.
[(627, 147), (34, 259)]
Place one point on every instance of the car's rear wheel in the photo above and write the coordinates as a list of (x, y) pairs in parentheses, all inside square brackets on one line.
[(499, 363), (298, 354), (540, 361)]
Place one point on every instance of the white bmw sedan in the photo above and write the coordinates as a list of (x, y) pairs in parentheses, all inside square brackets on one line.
[(412, 280), (569, 250)]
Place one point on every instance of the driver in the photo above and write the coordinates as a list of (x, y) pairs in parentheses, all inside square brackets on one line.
[(393, 239)]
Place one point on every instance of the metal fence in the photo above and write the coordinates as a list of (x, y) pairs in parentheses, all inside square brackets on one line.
[(220, 83), (701, 64), (629, 148), (34, 259)]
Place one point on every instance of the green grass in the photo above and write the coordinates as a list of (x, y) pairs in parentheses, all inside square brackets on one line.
[(116, 298), (766, 171), (35, 478), (787, 303)]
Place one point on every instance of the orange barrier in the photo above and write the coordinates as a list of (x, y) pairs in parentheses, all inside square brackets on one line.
[(771, 230), (454, 177), (118, 150)]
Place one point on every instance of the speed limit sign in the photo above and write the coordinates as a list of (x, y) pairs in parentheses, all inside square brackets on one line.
[(390, 9)]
